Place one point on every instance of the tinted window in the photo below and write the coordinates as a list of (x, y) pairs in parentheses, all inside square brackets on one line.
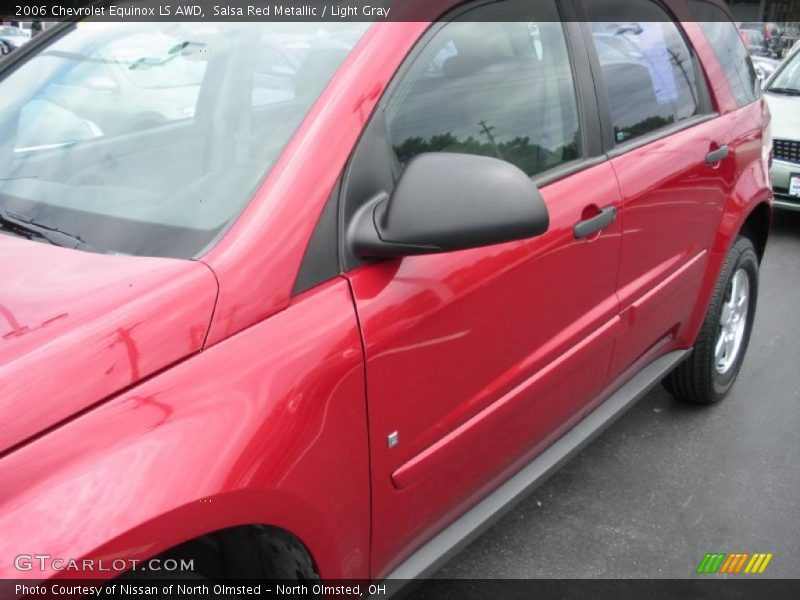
[(729, 49), (501, 89), (648, 71), (787, 81)]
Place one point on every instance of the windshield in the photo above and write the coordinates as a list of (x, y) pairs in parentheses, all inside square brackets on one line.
[(149, 138), (788, 78)]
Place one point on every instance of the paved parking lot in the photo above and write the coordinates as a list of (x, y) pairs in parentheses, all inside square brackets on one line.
[(669, 482)]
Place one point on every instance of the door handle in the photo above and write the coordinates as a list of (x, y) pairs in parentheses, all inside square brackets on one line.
[(594, 224), (717, 155)]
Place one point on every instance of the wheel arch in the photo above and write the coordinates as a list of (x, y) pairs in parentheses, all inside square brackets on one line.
[(756, 227), (241, 524), (252, 552), (748, 212), (249, 551)]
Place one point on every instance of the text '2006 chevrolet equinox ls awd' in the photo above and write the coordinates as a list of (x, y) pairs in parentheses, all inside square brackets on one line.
[(320, 301)]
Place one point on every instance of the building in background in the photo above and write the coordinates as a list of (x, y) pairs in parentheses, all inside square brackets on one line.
[(772, 11), (777, 20)]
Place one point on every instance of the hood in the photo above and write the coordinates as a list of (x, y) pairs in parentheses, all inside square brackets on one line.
[(76, 327), (785, 112)]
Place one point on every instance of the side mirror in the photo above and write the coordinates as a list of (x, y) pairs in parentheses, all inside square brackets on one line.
[(445, 202)]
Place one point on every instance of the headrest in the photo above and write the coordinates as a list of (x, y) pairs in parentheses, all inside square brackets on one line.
[(480, 45)]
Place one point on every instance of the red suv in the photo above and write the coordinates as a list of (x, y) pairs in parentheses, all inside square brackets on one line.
[(320, 301)]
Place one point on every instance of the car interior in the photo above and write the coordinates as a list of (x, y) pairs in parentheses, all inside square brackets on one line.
[(168, 189)]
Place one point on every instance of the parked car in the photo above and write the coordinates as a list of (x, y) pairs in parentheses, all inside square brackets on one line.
[(755, 42), (782, 93), (764, 67), (333, 336), (12, 37), (773, 36)]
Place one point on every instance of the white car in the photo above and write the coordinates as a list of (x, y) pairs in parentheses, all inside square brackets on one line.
[(765, 67), (12, 38), (782, 93)]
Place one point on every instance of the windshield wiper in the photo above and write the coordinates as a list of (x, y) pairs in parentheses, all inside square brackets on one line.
[(784, 90), (30, 228)]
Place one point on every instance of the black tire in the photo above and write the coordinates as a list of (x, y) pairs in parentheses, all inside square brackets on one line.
[(267, 554), (697, 378), (240, 555)]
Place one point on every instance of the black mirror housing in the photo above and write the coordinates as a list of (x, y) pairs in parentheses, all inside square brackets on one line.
[(445, 202)]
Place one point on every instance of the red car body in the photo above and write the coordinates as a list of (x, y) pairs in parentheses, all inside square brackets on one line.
[(149, 401)]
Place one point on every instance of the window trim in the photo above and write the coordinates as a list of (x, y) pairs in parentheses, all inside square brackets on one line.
[(611, 147), (321, 261), (658, 134)]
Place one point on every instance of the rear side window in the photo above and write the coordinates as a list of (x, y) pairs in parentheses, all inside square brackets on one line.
[(491, 85), (729, 49), (647, 69)]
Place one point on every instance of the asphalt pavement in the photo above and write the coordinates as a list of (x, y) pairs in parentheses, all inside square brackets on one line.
[(670, 482)]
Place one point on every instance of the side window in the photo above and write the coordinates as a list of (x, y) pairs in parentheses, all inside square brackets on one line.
[(647, 69), (729, 49), (489, 85)]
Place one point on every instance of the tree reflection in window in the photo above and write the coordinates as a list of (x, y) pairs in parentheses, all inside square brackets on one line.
[(530, 157), (490, 87)]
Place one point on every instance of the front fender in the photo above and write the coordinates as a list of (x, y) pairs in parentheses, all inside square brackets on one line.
[(266, 427)]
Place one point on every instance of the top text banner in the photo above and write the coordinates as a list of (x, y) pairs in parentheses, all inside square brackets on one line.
[(333, 10)]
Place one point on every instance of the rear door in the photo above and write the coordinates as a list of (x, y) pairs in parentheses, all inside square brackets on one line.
[(477, 360), (674, 162)]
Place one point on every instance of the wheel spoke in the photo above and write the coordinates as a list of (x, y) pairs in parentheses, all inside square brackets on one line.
[(725, 314), (733, 317), (730, 347), (741, 301), (719, 349), (736, 286)]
